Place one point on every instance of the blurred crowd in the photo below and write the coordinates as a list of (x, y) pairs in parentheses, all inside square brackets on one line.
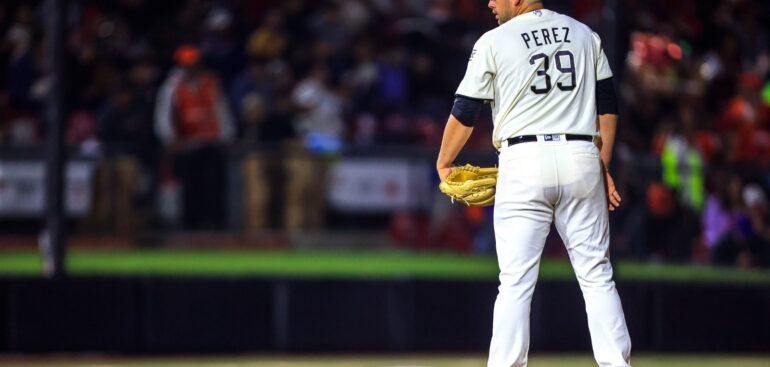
[(696, 112), (166, 94)]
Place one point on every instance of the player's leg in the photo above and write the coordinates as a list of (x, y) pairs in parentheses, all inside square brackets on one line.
[(522, 221), (582, 221)]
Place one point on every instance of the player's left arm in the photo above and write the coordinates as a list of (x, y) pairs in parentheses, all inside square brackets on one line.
[(459, 128), (456, 134), (475, 88)]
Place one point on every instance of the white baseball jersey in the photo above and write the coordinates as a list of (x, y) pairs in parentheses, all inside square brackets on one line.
[(539, 70)]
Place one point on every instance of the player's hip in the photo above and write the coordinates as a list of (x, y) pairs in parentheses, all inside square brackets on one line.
[(549, 164)]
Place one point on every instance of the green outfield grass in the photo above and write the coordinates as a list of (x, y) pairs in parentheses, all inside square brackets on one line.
[(347, 264), (390, 361)]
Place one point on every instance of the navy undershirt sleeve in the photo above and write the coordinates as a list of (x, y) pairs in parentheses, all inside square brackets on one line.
[(606, 101), (467, 110)]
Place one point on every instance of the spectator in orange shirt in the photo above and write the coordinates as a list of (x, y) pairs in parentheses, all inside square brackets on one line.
[(193, 122)]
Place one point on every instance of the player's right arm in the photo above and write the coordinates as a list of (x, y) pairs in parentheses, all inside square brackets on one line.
[(607, 110), (607, 127)]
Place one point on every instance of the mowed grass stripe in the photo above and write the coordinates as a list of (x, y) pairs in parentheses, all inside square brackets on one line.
[(286, 263), (388, 264), (346, 264)]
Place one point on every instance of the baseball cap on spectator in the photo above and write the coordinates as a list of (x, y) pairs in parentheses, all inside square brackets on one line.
[(187, 55)]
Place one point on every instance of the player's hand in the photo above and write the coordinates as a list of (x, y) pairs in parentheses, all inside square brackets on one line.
[(613, 196), (443, 172)]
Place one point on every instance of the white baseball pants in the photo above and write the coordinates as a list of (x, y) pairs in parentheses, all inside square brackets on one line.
[(559, 181)]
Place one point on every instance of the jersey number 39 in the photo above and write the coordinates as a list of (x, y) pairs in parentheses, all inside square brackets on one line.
[(560, 58)]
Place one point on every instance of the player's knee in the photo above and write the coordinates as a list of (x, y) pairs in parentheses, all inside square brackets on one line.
[(516, 282), (596, 281)]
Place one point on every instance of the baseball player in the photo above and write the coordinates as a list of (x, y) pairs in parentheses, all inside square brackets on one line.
[(549, 84)]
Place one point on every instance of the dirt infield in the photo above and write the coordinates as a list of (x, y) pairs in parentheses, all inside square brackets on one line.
[(373, 361)]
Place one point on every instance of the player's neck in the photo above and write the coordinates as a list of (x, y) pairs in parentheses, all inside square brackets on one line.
[(531, 7)]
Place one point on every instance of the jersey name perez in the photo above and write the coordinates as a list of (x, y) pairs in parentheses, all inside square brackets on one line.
[(545, 36)]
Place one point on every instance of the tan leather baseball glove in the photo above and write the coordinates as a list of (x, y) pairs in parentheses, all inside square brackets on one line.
[(471, 185)]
